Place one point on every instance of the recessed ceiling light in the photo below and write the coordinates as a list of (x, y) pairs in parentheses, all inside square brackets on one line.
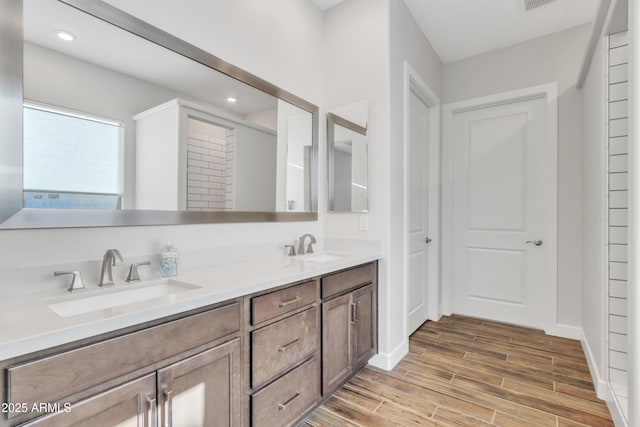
[(65, 35), (232, 100)]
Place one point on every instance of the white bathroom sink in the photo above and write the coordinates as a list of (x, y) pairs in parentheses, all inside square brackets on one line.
[(323, 257), (118, 296)]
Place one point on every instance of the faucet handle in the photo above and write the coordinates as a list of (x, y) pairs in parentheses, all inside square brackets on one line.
[(292, 250), (76, 280), (133, 275), (310, 248)]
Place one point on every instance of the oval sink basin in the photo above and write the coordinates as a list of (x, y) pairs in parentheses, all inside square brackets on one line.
[(116, 297), (321, 257)]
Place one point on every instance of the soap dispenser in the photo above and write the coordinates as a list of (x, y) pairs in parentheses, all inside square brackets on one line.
[(169, 263)]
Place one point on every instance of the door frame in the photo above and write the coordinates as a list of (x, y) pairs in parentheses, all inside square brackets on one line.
[(413, 82), (549, 92)]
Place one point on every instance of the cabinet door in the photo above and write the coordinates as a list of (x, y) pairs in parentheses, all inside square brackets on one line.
[(336, 342), (203, 390), (130, 405), (365, 325)]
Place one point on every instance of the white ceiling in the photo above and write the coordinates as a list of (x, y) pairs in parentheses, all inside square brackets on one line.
[(326, 4), (461, 28), (112, 48)]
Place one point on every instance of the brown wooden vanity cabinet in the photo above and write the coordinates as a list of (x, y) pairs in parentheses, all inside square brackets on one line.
[(284, 354), (202, 390), (349, 324), (131, 404), (266, 359), (183, 372)]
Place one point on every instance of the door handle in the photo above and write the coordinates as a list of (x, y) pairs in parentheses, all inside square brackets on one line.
[(168, 406), (282, 406), (536, 242), (427, 240), (152, 414), (354, 312)]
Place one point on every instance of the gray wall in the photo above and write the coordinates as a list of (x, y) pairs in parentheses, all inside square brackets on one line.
[(408, 43), (556, 57), (593, 208), (356, 68), (366, 44)]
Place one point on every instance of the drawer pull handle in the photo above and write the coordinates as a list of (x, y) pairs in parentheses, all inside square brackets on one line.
[(168, 406), (282, 406), (152, 411), (354, 312), (289, 302), (286, 347)]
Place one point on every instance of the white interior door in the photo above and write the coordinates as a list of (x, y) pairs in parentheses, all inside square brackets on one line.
[(418, 212), (499, 197)]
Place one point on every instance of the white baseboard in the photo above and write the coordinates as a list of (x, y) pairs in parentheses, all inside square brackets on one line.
[(565, 331), (619, 420), (600, 383), (388, 361), (603, 387)]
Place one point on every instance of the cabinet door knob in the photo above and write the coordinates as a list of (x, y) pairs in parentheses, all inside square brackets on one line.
[(427, 240), (536, 242)]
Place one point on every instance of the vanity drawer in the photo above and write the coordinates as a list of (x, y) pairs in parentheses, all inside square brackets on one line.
[(286, 400), (343, 281), (279, 346), (54, 378), (272, 305)]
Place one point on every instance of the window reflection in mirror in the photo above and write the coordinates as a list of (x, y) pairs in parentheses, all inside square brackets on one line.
[(70, 161), (228, 147), (348, 159)]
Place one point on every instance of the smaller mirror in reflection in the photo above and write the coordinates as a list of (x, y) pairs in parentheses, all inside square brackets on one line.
[(348, 162)]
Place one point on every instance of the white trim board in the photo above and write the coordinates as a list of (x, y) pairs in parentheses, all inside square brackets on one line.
[(617, 414), (414, 83), (602, 386), (550, 92), (387, 361), (598, 380)]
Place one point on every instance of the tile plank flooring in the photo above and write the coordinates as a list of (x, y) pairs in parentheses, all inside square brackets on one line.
[(462, 371)]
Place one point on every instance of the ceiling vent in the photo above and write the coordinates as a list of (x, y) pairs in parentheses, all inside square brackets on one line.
[(532, 4)]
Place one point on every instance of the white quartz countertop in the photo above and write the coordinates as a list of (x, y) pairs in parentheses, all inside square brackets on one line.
[(29, 324)]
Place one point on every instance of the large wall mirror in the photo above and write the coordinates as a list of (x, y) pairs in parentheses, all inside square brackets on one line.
[(348, 158), (124, 124)]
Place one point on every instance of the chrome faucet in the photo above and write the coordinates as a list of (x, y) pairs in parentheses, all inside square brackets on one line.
[(111, 257), (301, 244)]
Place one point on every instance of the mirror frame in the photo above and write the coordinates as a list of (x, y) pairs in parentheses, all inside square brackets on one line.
[(334, 119), (14, 216)]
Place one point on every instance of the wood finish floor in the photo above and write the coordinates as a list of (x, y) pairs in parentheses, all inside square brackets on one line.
[(468, 372)]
